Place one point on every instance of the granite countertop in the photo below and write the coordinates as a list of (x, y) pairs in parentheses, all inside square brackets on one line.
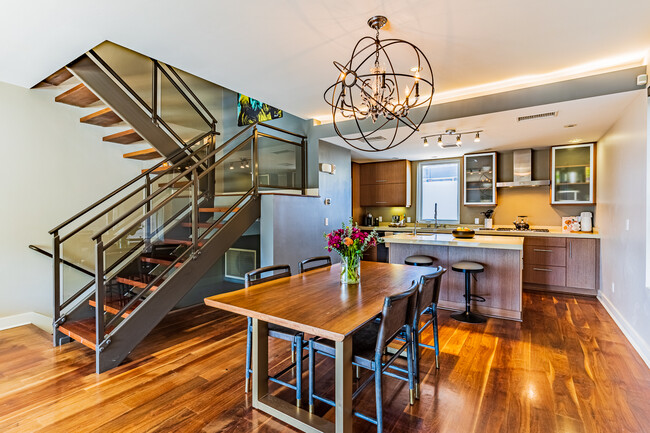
[(553, 231), (443, 239)]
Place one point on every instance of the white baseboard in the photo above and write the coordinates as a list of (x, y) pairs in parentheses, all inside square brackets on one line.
[(639, 344), (40, 320)]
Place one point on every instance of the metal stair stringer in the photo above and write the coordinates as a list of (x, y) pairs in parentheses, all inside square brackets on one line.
[(138, 325), (102, 85)]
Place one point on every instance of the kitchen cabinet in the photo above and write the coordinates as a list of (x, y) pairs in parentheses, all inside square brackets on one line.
[(480, 179), (581, 263), (385, 183), (573, 174), (566, 265)]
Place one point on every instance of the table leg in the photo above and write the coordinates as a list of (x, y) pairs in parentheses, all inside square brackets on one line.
[(343, 385), (260, 361)]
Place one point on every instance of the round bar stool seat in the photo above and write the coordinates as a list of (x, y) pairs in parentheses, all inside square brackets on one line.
[(468, 268), (419, 261)]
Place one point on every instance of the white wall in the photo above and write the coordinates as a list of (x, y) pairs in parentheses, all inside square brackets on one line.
[(622, 195), (53, 167)]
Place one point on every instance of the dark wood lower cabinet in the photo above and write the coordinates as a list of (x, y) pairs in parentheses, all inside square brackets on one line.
[(565, 265)]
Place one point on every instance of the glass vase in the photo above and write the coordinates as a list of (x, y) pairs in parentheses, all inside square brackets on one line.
[(350, 270)]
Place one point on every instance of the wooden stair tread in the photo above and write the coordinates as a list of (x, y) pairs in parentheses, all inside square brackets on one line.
[(105, 117), (143, 155), (179, 184), (159, 261), (124, 137), (159, 169), (135, 283), (56, 78), (79, 96), (179, 242), (82, 331), (202, 225), (114, 303), (217, 209)]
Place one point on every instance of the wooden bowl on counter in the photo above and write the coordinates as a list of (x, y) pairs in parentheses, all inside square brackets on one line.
[(463, 234)]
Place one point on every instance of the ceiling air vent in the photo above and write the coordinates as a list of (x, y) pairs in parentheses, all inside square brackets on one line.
[(377, 138), (537, 116)]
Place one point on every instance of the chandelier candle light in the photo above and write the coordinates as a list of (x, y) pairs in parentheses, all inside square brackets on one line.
[(368, 87), (350, 242)]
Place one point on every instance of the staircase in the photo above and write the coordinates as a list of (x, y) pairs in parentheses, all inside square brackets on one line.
[(151, 240)]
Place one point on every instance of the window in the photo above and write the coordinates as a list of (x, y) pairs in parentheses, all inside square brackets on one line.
[(439, 183)]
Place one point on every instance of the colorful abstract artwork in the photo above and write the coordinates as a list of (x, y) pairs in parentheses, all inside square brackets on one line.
[(251, 111)]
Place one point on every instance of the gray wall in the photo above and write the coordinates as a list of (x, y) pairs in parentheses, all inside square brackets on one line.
[(623, 195), (292, 227)]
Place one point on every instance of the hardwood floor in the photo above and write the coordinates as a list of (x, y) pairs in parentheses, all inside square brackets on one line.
[(566, 368)]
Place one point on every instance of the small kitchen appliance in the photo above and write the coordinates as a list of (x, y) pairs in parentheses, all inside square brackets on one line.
[(521, 223), (585, 222)]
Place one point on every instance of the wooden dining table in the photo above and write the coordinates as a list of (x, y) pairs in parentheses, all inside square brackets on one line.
[(316, 303)]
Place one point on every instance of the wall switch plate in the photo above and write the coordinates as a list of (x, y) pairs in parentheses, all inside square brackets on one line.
[(476, 221), (327, 221), (613, 288), (642, 80), (627, 225)]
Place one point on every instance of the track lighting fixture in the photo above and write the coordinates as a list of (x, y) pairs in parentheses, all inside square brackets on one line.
[(452, 132)]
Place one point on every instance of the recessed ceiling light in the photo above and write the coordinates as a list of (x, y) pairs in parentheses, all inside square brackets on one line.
[(571, 125), (576, 140)]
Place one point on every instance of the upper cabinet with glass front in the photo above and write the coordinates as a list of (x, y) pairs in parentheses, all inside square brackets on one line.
[(573, 174), (480, 179)]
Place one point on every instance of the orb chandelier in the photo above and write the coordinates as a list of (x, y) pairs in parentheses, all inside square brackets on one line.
[(368, 88)]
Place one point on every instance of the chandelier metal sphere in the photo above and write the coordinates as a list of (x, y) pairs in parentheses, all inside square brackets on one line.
[(368, 87)]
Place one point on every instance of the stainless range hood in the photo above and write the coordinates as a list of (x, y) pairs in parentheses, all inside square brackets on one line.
[(523, 171)]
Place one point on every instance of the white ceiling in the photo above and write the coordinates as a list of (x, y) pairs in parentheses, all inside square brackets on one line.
[(281, 51), (592, 117)]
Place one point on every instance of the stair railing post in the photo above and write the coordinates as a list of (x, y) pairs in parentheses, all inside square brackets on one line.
[(100, 295), (195, 211), (56, 262), (256, 167), (147, 208), (154, 94)]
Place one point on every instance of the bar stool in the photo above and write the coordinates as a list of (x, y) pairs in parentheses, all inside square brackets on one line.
[(469, 268), (419, 260)]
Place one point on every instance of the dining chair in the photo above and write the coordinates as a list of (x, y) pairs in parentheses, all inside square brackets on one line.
[(296, 338), (368, 351), (302, 266), (427, 302)]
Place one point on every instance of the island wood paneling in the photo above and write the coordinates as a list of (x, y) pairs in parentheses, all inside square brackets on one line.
[(500, 283)]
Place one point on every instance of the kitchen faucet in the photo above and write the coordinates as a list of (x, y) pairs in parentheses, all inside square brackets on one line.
[(435, 215)]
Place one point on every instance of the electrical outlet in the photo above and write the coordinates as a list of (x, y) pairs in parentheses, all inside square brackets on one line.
[(327, 221), (627, 225), (613, 288)]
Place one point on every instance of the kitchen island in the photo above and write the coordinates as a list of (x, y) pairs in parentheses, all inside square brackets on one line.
[(500, 284)]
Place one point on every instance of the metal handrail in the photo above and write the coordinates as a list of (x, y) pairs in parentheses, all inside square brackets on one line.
[(132, 181), (282, 130), (64, 261), (188, 90), (171, 182), (248, 193)]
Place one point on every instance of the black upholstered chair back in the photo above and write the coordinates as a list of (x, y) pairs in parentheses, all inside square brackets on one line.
[(314, 263), (429, 289), (276, 271), (398, 311)]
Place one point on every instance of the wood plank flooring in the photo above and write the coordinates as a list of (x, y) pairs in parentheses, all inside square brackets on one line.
[(566, 368)]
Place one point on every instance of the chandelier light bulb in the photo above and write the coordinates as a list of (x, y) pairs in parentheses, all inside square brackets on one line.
[(477, 138)]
